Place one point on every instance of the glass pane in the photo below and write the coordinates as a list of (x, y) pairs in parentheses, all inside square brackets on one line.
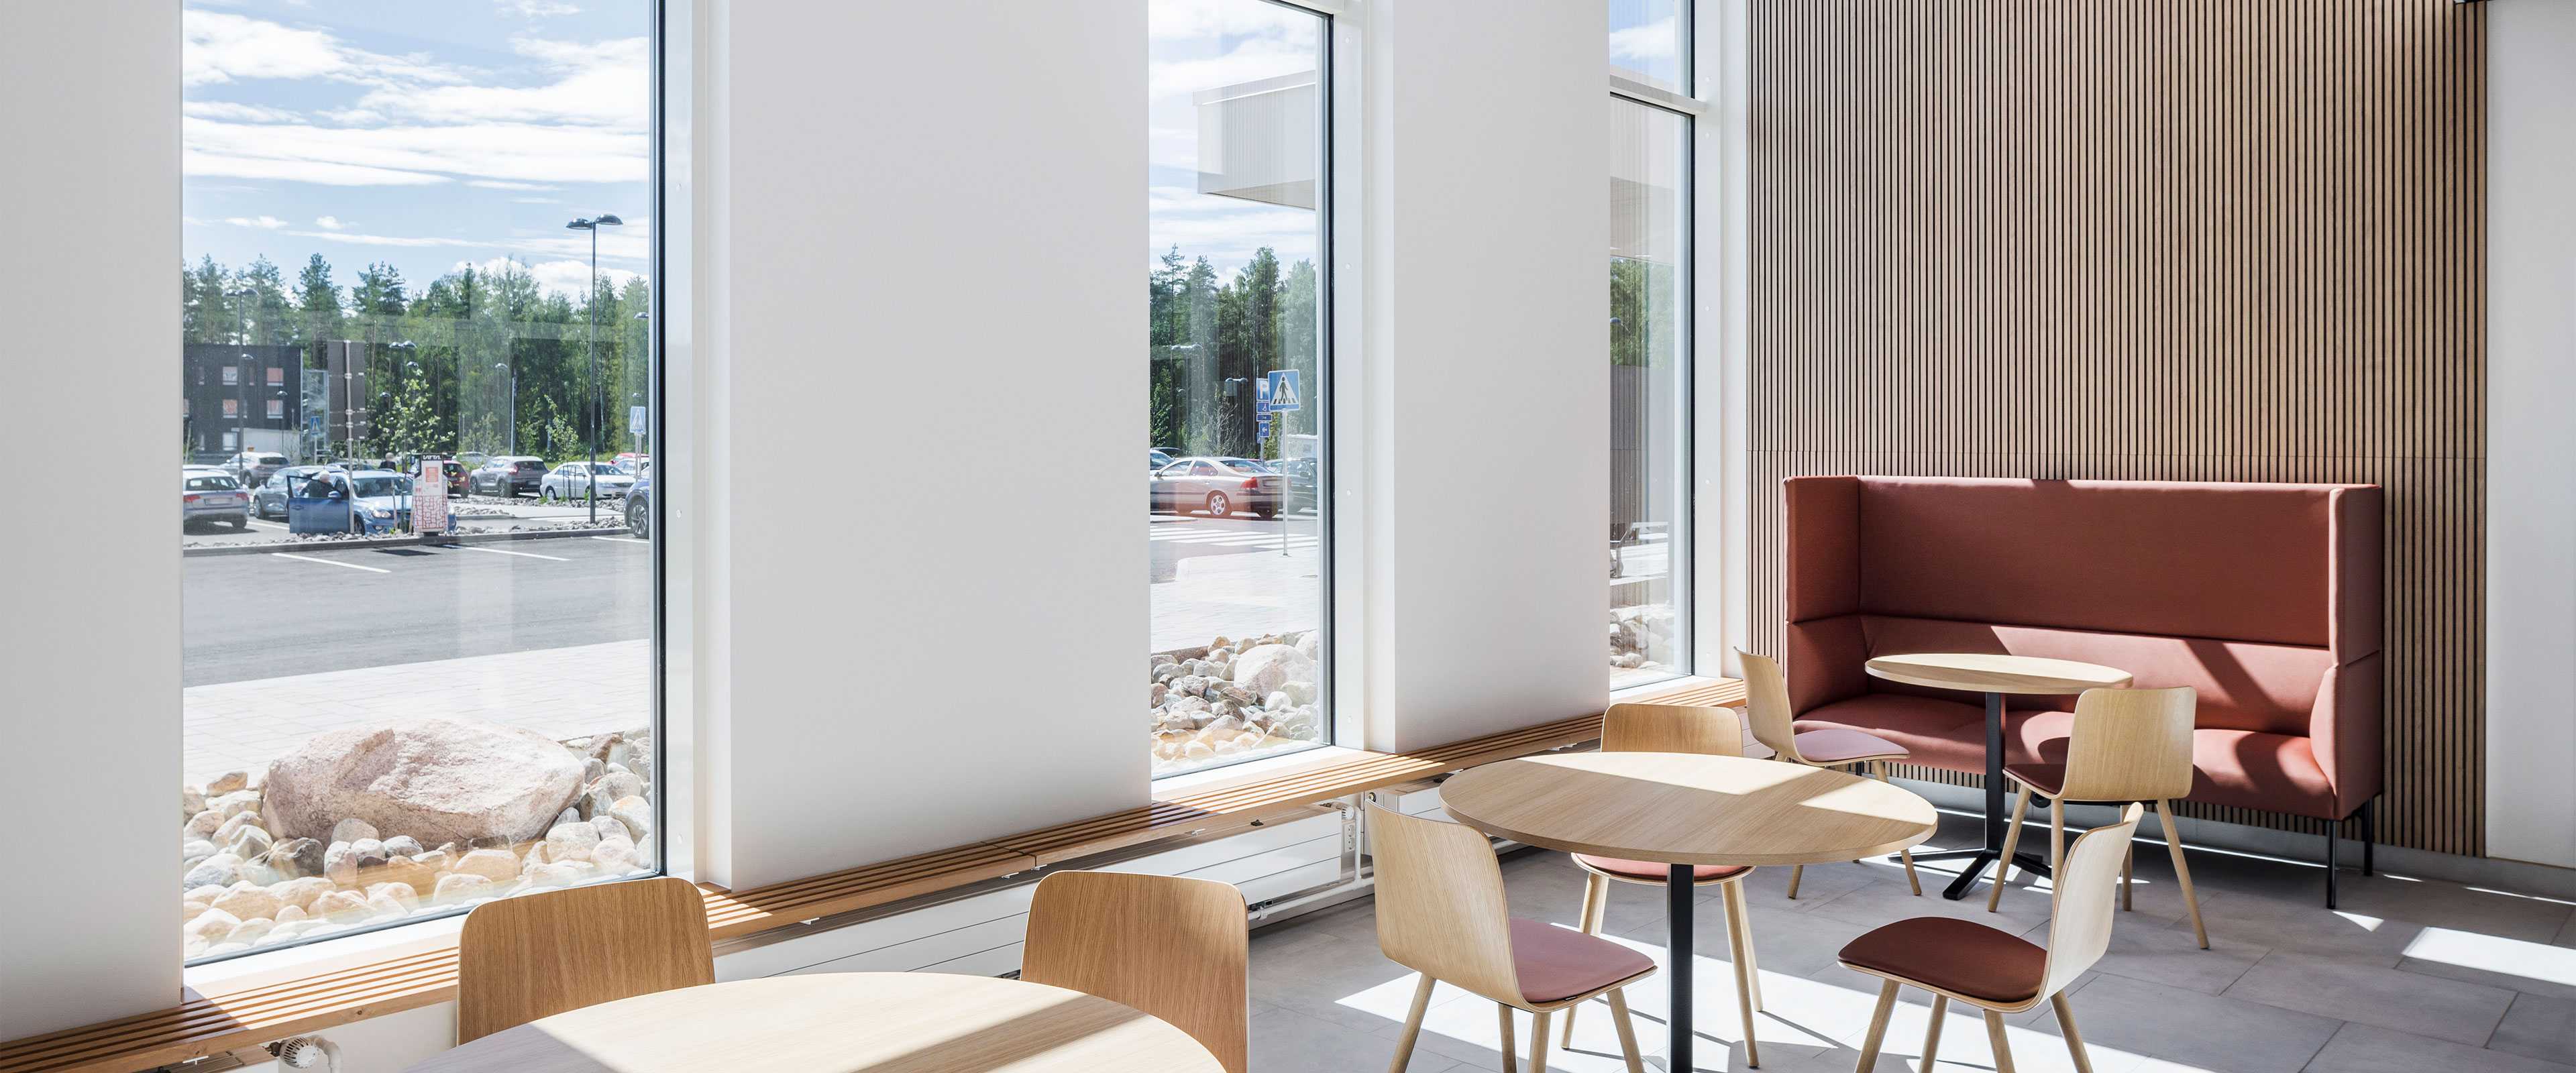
[(1649, 393), (1646, 42), (379, 730), (1236, 369)]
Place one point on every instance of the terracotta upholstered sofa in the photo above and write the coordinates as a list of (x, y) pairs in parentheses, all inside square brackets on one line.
[(2263, 597)]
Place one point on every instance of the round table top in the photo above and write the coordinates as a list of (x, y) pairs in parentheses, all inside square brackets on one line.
[(1978, 672), (1688, 808), (842, 1022)]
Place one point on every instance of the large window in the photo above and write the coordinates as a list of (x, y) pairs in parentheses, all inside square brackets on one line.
[(420, 604), (1650, 150), (1236, 460)]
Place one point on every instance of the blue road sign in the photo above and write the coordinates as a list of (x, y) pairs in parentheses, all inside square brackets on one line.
[(1261, 399), (1283, 391)]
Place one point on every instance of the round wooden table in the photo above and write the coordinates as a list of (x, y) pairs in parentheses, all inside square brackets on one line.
[(1687, 810), (882, 1022), (1996, 676)]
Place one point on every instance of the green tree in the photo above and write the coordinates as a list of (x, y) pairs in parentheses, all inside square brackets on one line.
[(317, 299)]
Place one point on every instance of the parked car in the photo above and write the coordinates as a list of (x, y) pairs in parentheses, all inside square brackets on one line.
[(1155, 459), (508, 475), (639, 503), (207, 498), (269, 501), (573, 480), (631, 463), (252, 468), (1303, 480), (350, 501), (456, 472), (1219, 486)]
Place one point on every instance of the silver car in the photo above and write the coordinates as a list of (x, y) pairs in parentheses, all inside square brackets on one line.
[(1217, 485), (573, 480), (206, 498)]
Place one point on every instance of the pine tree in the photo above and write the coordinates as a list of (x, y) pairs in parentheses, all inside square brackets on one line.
[(318, 300)]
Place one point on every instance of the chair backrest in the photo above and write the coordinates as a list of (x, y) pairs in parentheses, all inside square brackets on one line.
[(538, 955), (1671, 728), (1440, 904), (2130, 745), (1176, 948), (1766, 704), (2084, 900)]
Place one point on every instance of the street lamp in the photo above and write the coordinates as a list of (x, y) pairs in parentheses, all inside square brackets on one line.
[(514, 405), (241, 374), (599, 391)]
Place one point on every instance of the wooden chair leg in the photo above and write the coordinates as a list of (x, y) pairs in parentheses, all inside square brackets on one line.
[(2012, 841), (1511, 1049), (1739, 906), (1796, 873), (2002, 1046), (2056, 839), (2128, 871), (1413, 1024), (1905, 855), (1877, 1028), (1932, 1035), (1596, 907), (2182, 872), (1739, 939), (2074, 1041), (1539, 1040), (1627, 1030)]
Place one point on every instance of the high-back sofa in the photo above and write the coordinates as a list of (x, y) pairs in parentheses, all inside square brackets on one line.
[(2265, 598)]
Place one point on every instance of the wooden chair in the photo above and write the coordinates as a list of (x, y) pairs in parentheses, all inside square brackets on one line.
[(1175, 948), (2127, 745), (1996, 971), (519, 959), (1675, 728), (1441, 912), (1766, 701)]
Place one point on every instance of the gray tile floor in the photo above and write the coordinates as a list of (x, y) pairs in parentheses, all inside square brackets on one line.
[(2411, 975)]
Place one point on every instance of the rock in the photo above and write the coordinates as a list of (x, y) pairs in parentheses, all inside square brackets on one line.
[(300, 893), (235, 803), (252, 930), (228, 782), (351, 831), (235, 824), (457, 886), (206, 894), (436, 860), (258, 870), (191, 801), (369, 852), (188, 910), (1311, 645), (251, 843), (436, 779), (339, 903), (571, 841), (496, 865), (246, 902), (399, 892), (1266, 668), (196, 849), (557, 874), (1190, 685), (340, 864), (297, 857), (610, 827), (1299, 693), (383, 905), (636, 813), (1238, 696), (1277, 700), (403, 846), (402, 871), (220, 870), (1166, 671), (211, 926), (205, 824), (291, 914), (614, 855)]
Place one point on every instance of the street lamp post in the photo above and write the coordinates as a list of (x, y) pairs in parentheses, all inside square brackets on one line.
[(513, 405), (241, 374), (599, 391)]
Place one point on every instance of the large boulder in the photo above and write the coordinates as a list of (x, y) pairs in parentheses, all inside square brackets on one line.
[(436, 779), (1267, 667)]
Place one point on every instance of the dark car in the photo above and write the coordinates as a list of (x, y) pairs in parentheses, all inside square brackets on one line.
[(270, 500), (252, 468), (1219, 486), (506, 476), (639, 503), (1302, 474)]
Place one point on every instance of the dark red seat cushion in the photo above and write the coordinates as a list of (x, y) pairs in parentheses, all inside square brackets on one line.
[(1942, 733), (1556, 963), (1958, 956), (1653, 872), (2045, 778)]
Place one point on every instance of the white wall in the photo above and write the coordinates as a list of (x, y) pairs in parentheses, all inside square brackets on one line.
[(928, 223), (1484, 396), (89, 642), (2531, 446)]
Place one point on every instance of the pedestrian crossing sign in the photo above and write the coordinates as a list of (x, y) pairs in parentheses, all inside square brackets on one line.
[(1283, 391)]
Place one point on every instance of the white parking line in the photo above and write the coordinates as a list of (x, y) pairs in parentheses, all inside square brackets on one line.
[(267, 525), (520, 554), (621, 540), (330, 562)]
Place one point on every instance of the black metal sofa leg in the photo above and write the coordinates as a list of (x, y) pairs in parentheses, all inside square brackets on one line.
[(2333, 851)]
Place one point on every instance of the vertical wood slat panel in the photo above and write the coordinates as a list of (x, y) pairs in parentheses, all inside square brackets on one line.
[(2202, 240)]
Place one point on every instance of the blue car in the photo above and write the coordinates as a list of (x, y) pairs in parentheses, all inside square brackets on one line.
[(361, 501), (639, 503)]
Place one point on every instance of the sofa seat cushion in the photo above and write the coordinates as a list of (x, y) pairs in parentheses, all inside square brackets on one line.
[(1941, 733), (2243, 768), (1843, 745)]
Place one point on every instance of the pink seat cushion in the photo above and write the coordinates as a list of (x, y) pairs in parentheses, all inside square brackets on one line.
[(2045, 778), (1556, 963), (1653, 872), (1842, 745), (1958, 956), (1940, 733)]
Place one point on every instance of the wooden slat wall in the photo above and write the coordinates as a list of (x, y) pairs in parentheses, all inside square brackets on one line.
[(2151, 239)]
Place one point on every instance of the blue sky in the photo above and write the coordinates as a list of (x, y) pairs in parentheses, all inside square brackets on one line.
[(425, 135), (1204, 44)]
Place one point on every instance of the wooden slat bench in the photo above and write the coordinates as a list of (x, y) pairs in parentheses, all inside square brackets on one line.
[(204, 1025)]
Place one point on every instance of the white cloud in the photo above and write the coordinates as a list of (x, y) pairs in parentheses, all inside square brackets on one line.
[(246, 113), (1173, 20), (537, 200), (329, 223), (219, 47), (569, 277), (500, 184), (536, 9), (1651, 41), (404, 241), (413, 155), (267, 222), (1249, 61), (605, 84)]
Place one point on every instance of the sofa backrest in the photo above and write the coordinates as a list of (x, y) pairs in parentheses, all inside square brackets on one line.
[(2283, 564)]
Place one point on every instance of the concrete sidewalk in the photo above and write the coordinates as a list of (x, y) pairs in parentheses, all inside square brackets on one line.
[(557, 692)]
